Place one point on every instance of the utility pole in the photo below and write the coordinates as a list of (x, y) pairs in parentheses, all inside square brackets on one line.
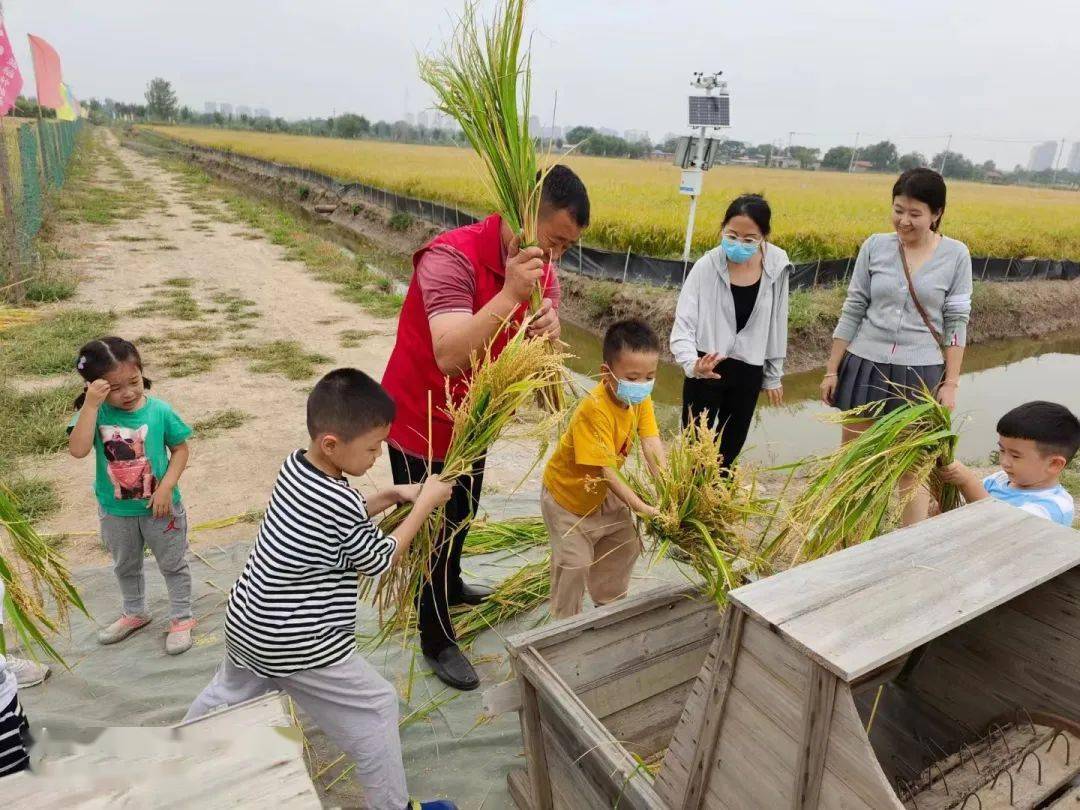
[(854, 153), (945, 154), (790, 135), (1057, 161)]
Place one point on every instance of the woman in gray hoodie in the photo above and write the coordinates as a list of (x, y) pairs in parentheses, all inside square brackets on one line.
[(730, 330)]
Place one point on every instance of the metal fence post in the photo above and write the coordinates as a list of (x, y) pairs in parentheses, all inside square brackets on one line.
[(626, 265)]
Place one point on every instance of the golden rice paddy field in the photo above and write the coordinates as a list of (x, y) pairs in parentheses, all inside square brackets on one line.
[(636, 204)]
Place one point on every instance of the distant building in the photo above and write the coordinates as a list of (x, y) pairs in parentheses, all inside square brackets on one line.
[(534, 124), (784, 162), (860, 166), (410, 119), (261, 112), (1074, 158), (636, 136), (551, 133), (995, 177), (244, 109), (1042, 156), (225, 108), (746, 161), (210, 107), (423, 120)]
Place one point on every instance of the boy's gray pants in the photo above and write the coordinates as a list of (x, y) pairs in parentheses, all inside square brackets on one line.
[(166, 537), (353, 704)]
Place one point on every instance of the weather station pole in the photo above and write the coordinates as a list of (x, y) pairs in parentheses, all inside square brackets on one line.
[(706, 112)]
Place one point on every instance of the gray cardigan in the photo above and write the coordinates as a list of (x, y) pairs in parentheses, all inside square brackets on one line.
[(705, 316), (880, 320)]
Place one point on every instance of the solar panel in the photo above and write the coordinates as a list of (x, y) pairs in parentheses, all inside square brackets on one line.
[(710, 111)]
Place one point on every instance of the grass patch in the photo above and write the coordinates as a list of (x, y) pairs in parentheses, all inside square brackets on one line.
[(168, 247), (220, 421), (188, 364), (401, 221), (85, 199), (815, 307), (351, 338), (175, 303), (284, 357), (127, 238), (36, 422), (50, 289), (599, 297), (50, 346), (179, 282), (36, 497)]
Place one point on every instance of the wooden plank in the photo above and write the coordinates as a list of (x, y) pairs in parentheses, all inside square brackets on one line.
[(851, 759), (706, 731), (535, 750), (617, 613), (864, 607), (646, 728), (571, 788), (772, 675), (517, 781), (590, 746), (817, 720)]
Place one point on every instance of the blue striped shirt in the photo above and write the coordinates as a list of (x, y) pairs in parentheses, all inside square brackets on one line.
[(1054, 504)]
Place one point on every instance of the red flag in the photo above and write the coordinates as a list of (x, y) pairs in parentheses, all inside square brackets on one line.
[(47, 72), (10, 78)]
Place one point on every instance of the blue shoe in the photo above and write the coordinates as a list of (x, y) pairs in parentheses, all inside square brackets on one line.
[(434, 804)]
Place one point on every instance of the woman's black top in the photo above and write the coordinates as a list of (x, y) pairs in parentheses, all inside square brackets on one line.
[(745, 298)]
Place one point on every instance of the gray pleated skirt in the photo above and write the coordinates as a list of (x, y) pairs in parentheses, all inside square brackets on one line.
[(861, 381)]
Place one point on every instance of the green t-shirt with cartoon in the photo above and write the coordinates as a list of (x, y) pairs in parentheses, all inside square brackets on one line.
[(131, 449)]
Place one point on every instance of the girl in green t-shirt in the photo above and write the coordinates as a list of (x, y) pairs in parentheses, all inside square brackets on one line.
[(140, 447)]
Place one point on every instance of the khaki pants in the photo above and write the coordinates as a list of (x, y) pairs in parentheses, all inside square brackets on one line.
[(597, 552)]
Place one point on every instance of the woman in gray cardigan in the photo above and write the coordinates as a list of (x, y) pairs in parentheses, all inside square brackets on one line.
[(730, 330), (904, 322)]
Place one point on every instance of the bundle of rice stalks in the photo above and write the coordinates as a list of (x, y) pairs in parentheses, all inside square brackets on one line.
[(507, 536), (498, 388), (527, 588), (30, 569), (850, 495), (482, 79), (707, 515)]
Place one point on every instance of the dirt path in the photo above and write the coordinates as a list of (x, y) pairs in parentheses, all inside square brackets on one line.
[(244, 292)]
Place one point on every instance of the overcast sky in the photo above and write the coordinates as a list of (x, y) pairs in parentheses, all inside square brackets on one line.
[(912, 71)]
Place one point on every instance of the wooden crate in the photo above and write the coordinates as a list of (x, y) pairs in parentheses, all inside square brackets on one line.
[(948, 628)]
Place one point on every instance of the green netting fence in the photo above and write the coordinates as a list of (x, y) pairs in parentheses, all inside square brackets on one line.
[(37, 157)]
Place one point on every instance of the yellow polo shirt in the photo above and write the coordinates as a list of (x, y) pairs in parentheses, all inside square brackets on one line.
[(600, 435)]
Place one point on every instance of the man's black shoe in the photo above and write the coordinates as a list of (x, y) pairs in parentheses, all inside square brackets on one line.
[(471, 595), (454, 669)]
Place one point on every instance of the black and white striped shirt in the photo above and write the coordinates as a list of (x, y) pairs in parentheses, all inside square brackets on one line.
[(294, 605)]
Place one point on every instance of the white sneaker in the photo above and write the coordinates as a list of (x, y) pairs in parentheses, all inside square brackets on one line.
[(27, 673)]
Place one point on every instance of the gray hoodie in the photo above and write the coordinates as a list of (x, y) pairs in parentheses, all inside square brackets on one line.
[(705, 316)]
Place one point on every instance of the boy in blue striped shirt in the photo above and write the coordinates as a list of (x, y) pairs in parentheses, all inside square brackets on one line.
[(1036, 440)]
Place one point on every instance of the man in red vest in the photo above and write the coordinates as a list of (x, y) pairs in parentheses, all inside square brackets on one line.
[(467, 285)]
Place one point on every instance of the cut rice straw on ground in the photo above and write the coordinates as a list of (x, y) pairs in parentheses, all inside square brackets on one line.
[(849, 499), (708, 518), (30, 570), (498, 389), (523, 591), (506, 536)]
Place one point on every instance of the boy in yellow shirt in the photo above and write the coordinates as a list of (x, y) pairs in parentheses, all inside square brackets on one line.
[(586, 506)]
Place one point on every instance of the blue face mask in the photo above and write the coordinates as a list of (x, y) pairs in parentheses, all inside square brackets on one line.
[(737, 252), (633, 393)]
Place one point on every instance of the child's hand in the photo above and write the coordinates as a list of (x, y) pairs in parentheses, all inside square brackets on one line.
[(951, 473), (434, 493), (161, 502), (96, 392), (407, 493), (647, 511)]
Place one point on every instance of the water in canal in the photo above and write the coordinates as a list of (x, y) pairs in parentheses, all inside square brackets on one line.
[(997, 376)]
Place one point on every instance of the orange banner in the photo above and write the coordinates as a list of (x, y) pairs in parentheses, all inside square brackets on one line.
[(47, 73)]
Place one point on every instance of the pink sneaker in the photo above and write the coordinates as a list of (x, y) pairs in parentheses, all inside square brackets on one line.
[(179, 638), (121, 628)]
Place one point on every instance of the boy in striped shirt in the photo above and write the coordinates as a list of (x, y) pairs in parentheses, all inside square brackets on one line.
[(1036, 441), (291, 618)]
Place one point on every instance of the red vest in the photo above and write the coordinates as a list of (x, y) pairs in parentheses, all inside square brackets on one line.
[(412, 376)]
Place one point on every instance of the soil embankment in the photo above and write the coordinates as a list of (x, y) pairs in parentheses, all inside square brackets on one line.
[(1000, 309)]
